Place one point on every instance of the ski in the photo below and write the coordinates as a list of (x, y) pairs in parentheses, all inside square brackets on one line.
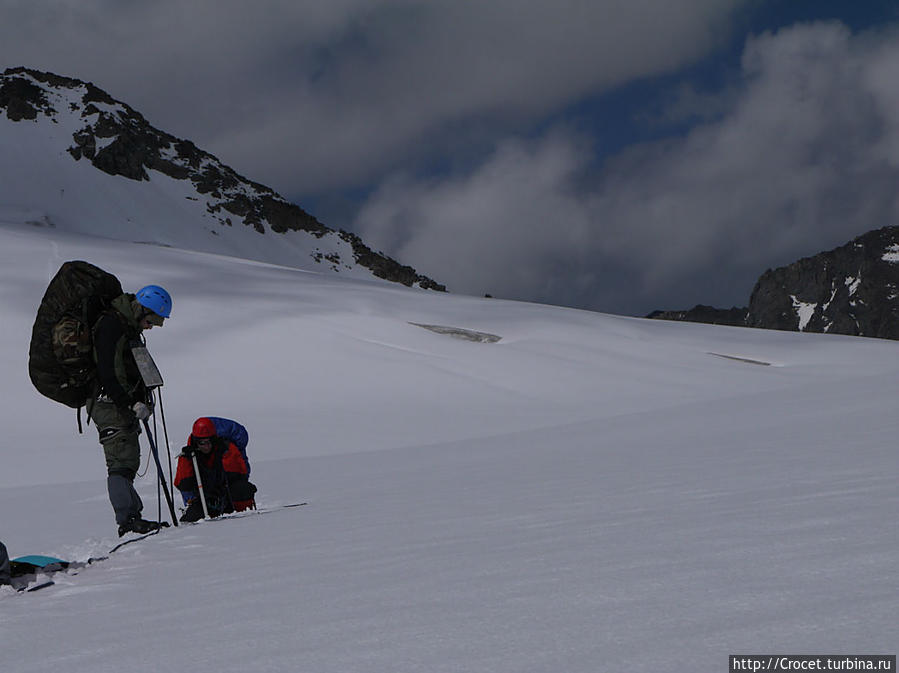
[(251, 512)]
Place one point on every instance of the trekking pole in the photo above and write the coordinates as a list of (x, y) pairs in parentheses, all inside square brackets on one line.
[(165, 434), (193, 455), (165, 486), (152, 379), (158, 485)]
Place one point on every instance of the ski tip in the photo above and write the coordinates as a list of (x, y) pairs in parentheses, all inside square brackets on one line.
[(38, 587)]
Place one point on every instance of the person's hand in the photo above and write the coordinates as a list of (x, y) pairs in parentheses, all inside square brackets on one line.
[(141, 410), (187, 452)]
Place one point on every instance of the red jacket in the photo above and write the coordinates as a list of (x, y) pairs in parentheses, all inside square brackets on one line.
[(223, 465)]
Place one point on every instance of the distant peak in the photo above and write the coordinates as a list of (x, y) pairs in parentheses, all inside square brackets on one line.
[(119, 141)]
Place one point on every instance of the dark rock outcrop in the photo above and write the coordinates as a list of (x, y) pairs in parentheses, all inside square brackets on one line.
[(385, 267), (705, 314), (117, 140), (853, 289), (23, 99)]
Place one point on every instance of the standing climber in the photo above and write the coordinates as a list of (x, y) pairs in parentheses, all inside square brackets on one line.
[(123, 400)]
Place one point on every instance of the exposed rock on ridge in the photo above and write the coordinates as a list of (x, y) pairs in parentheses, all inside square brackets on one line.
[(708, 314), (853, 289)]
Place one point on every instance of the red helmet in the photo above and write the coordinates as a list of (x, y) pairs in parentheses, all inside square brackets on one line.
[(203, 428)]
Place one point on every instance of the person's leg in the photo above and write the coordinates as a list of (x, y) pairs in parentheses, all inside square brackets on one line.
[(119, 437), (242, 495)]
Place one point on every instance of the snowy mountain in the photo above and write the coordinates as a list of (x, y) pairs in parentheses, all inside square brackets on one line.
[(586, 493), (77, 159)]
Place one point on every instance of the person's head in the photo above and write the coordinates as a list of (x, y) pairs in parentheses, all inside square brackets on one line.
[(203, 434), (155, 304)]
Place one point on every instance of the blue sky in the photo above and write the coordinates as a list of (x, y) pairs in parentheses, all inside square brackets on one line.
[(611, 155), (624, 115)]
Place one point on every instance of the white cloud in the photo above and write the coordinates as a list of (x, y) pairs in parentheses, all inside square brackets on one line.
[(498, 230), (797, 165), (308, 95)]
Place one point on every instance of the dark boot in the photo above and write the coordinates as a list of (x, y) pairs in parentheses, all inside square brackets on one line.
[(194, 512), (141, 526)]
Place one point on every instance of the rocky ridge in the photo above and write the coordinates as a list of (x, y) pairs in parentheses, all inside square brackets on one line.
[(735, 316), (118, 140), (853, 289)]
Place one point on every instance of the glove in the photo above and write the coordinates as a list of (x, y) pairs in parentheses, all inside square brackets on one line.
[(141, 410), (187, 452)]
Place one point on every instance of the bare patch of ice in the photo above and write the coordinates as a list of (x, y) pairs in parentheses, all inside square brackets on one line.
[(739, 358), (460, 333)]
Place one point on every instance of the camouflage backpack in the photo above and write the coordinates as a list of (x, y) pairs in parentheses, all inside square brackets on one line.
[(60, 358)]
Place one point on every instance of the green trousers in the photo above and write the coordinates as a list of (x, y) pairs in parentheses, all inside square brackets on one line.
[(119, 431)]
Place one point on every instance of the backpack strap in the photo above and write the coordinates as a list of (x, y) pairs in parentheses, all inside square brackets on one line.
[(88, 409)]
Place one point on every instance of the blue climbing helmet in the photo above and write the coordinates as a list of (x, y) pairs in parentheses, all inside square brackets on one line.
[(156, 299)]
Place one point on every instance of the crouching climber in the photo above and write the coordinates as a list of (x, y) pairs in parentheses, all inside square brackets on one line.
[(217, 447)]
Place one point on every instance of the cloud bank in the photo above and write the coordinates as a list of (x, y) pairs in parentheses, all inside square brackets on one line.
[(800, 156), (308, 95)]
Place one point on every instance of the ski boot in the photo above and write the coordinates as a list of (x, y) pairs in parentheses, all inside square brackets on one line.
[(141, 526)]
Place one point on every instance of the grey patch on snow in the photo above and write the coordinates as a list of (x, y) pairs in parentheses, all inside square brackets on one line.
[(460, 333), (741, 359), (42, 221), (35, 218)]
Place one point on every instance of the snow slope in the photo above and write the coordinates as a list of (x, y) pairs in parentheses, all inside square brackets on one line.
[(43, 183), (590, 493)]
